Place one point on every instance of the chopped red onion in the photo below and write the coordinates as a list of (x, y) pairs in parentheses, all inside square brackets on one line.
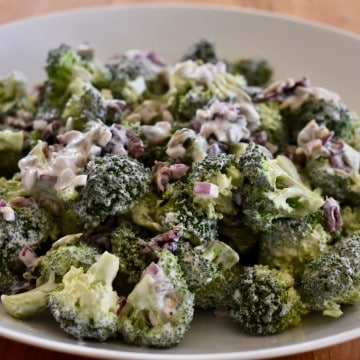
[(206, 189), (28, 256)]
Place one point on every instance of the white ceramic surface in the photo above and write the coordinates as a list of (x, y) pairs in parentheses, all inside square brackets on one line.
[(329, 57)]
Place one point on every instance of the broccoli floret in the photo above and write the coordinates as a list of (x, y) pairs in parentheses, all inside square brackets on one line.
[(85, 106), (349, 247), (30, 302), (333, 114), (11, 148), (272, 123), (59, 259), (212, 182), (85, 305), (270, 193), (351, 219), (257, 72), (333, 182), (202, 49), (300, 103), (134, 74), (209, 270), (159, 310), (63, 66), (266, 301), (125, 243), (291, 243), (114, 184), (14, 95), (179, 210), (193, 85), (330, 280), (29, 227), (330, 164)]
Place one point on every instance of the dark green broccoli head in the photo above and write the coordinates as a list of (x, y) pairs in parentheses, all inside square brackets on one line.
[(257, 72), (349, 247), (33, 228), (334, 115), (209, 270), (202, 49), (272, 123), (266, 301), (292, 242), (63, 66), (84, 107), (334, 182), (135, 75), (178, 210), (125, 243), (159, 310), (85, 304), (218, 172), (328, 281), (114, 184), (270, 193), (59, 259)]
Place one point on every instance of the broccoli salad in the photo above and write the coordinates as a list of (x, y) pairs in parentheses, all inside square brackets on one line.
[(135, 192)]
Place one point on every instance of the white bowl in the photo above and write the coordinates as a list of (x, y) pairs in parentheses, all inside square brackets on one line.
[(329, 57)]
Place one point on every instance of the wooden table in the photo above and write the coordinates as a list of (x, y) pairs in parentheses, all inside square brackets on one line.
[(341, 13)]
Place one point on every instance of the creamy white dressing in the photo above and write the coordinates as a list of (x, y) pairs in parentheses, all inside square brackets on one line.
[(7, 213), (303, 94), (156, 134), (202, 74), (175, 147), (65, 163), (227, 122)]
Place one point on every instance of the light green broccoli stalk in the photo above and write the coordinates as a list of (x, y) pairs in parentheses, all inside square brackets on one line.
[(266, 301), (269, 192), (159, 310), (85, 305), (30, 302)]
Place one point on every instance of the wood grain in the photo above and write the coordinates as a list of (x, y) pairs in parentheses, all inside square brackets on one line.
[(342, 14)]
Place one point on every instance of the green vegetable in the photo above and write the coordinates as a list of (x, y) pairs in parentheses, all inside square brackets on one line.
[(85, 305), (159, 310)]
